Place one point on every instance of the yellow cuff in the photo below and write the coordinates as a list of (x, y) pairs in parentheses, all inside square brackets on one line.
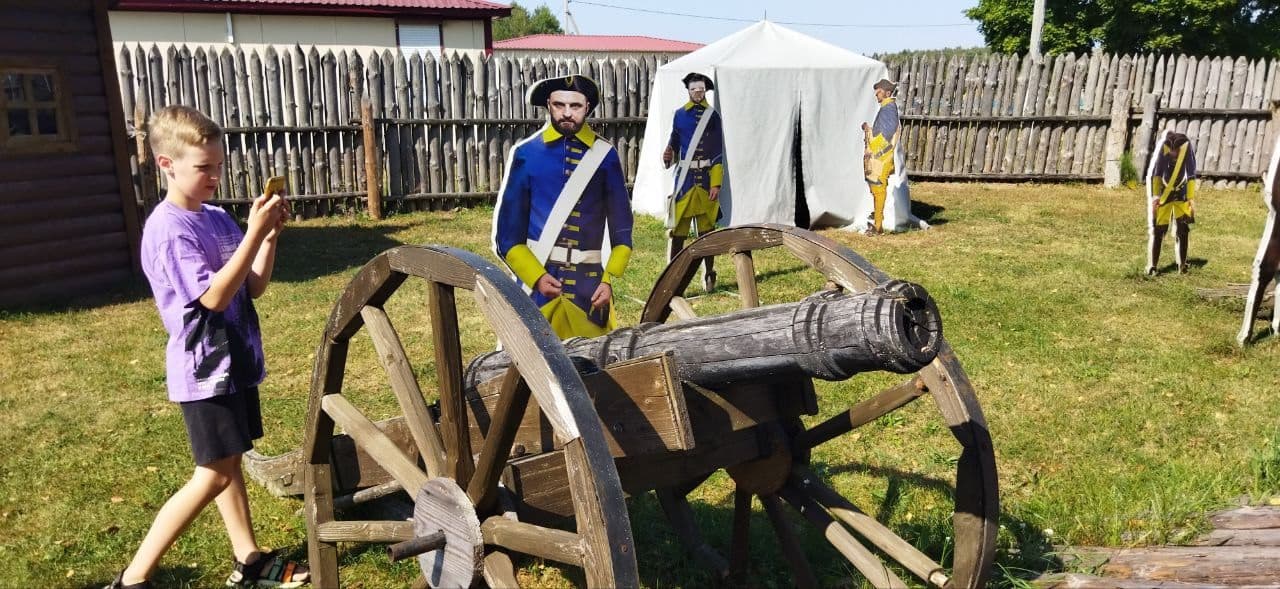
[(525, 265), (619, 257), (717, 175), (1191, 189), (877, 144)]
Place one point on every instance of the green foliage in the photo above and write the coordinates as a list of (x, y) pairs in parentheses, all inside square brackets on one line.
[(1199, 27), (1265, 465), (522, 23), (1129, 175)]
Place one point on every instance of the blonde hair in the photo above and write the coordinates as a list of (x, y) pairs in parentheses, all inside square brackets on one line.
[(174, 127)]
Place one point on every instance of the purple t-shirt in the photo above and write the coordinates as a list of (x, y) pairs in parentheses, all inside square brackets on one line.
[(209, 353)]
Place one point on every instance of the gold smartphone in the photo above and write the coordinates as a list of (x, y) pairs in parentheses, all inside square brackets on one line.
[(274, 185)]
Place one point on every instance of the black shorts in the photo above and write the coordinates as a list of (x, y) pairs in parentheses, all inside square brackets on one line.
[(222, 426)]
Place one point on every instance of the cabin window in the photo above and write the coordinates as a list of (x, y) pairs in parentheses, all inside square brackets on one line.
[(33, 110)]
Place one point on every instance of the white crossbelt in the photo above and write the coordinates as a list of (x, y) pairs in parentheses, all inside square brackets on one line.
[(568, 255), (699, 164)]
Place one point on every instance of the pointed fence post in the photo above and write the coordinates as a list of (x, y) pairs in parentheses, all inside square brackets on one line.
[(1116, 135), (370, 159)]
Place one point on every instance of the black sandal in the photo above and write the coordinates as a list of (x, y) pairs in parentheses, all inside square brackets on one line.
[(269, 570), (119, 583)]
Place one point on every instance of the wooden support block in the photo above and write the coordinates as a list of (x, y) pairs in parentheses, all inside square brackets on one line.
[(641, 409)]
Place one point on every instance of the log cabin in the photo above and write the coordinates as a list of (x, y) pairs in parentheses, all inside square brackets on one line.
[(69, 224)]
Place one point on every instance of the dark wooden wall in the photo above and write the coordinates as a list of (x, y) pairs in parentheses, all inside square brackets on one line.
[(65, 228)]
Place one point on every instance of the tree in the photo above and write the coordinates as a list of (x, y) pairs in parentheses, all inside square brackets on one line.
[(1198, 27), (521, 23)]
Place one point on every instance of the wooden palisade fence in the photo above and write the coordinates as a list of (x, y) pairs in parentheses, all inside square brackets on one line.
[(442, 129), (1006, 117)]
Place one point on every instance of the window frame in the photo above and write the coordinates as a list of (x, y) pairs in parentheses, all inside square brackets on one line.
[(65, 141)]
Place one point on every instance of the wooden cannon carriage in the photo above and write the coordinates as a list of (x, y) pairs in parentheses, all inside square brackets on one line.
[(532, 450)]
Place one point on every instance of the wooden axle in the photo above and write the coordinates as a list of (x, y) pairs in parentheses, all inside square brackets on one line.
[(416, 546)]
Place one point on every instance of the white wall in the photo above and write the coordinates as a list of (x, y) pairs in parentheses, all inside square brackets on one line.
[(466, 36), (252, 31)]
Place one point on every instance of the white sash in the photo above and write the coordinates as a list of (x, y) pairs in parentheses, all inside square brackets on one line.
[(569, 196), (683, 169)]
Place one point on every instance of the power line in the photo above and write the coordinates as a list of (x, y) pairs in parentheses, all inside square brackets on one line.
[(751, 20)]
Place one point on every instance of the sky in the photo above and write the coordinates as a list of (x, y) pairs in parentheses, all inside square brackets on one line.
[(857, 25)]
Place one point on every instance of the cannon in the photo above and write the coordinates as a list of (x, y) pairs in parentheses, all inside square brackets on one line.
[(533, 449)]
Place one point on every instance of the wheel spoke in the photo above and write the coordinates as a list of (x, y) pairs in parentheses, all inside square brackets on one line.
[(548, 543), (384, 532), (405, 386), (513, 398), (806, 483), (499, 573), (787, 540), (682, 309), (377, 444), (864, 412), (746, 269), (862, 559), (740, 549), (678, 511), (453, 410)]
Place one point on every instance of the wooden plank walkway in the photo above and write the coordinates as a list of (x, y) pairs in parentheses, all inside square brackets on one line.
[(1242, 551)]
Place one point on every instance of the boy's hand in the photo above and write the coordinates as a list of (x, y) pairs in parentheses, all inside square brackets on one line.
[(265, 214)]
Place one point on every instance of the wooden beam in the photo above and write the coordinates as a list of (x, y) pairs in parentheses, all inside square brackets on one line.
[(376, 443), (382, 532), (405, 386), (453, 411), (876, 533), (790, 544), (513, 398), (746, 270), (863, 413), (548, 543), (871, 567)]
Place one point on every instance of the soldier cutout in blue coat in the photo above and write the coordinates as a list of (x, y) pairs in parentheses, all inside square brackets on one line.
[(564, 269), (696, 201)]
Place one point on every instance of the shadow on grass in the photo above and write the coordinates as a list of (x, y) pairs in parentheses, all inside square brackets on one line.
[(307, 253), (929, 213)]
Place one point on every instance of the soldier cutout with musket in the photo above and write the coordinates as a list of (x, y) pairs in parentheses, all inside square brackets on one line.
[(696, 146)]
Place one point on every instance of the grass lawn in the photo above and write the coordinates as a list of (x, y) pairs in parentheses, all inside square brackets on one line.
[(1120, 409)]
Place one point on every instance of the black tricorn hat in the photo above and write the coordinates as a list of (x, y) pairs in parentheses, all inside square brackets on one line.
[(697, 77), (541, 91)]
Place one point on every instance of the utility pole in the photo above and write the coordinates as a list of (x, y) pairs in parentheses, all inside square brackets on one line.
[(1037, 25), (570, 25)]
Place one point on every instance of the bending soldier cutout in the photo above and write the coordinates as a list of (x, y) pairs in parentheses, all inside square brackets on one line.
[(1171, 188), (881, 137), (563, 190), (697, 146), (1266, 263)]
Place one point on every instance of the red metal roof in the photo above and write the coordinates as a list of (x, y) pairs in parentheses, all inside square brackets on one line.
[(595, 43), (456, 8)]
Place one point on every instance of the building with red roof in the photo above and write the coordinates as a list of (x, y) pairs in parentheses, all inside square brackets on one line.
[(581, 45), (434, 26)]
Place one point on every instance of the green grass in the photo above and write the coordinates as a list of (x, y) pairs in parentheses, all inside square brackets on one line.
[(1120, 410)]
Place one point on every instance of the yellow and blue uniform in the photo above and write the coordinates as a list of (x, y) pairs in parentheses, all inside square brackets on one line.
[(881, 146), (1173, 182), (693, 199), (539, 168)]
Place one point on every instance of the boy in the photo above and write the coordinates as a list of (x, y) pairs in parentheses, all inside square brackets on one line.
[(204, 272)]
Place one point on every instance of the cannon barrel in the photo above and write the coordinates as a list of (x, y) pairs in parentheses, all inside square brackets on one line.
[(830, 335)]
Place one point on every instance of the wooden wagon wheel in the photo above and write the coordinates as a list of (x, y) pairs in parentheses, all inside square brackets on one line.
[(461, 493), (976, 497)]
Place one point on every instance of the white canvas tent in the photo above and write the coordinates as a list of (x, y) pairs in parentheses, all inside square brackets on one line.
[(775, 87)]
